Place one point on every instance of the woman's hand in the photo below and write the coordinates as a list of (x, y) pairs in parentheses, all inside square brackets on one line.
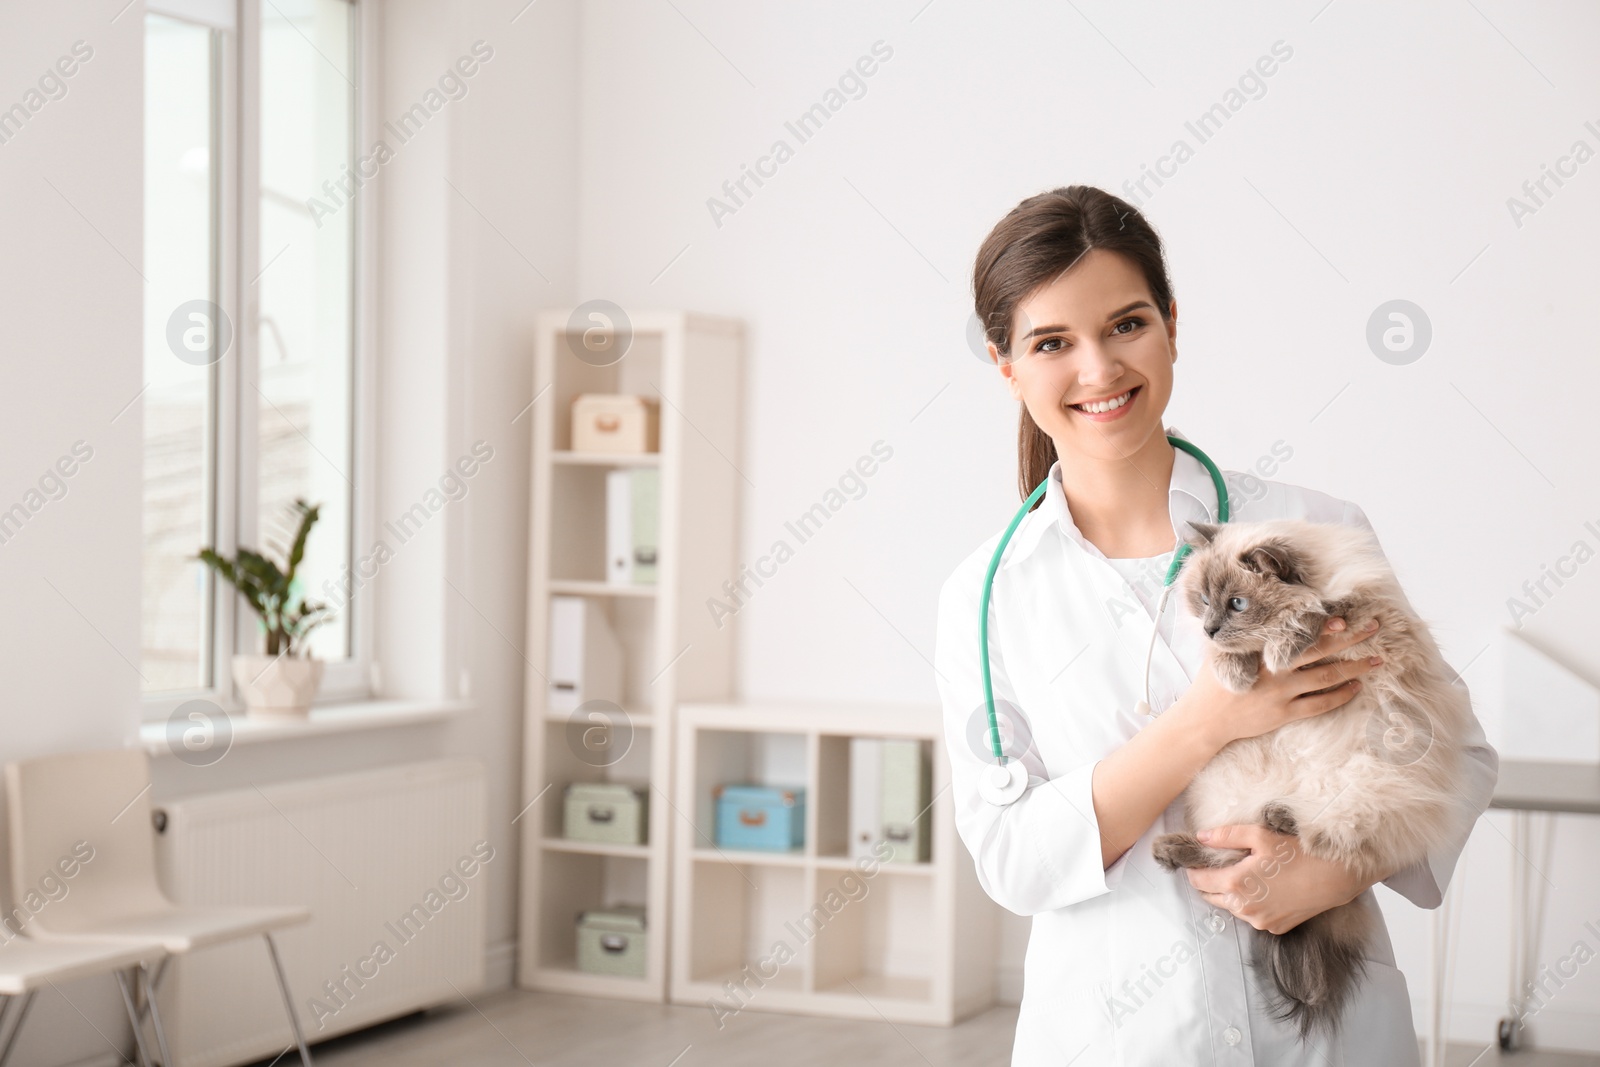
[(1284, 696), (1277, 887)]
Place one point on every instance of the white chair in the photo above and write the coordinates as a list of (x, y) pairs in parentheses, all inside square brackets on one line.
[(59, 804), (26, 965)]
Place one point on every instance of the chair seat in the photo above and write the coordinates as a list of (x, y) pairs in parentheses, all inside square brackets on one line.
[(27, 964), (185, 928)]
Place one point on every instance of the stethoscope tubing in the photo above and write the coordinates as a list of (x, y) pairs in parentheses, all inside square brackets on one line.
[(1166, 587)]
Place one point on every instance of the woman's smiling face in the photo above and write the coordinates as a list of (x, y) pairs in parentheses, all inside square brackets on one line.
[(1090, 336)]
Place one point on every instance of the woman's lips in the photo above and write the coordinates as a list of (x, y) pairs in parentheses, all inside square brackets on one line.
[(1115, 413)]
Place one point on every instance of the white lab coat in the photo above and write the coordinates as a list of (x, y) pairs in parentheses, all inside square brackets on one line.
[(1129, 965)]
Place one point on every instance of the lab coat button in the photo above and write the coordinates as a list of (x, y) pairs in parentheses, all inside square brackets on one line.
[(1216, 922), (1232, 1035)]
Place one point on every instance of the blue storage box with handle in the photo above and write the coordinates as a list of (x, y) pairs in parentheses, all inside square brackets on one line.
[(760, 817)]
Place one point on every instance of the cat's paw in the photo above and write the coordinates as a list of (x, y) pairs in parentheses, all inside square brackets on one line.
[(1277, 817), (1286, 645), (1174, 851), (1237, 671)]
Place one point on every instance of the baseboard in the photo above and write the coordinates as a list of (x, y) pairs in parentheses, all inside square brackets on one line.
[(499, 966)]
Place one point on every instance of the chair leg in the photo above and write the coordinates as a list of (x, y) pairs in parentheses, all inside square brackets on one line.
[(133, 1017), (16, 1025), (288, 1001), (155, 1016)]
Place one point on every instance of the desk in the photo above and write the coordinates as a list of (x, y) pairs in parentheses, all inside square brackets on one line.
[(1537, 785), (1526, 788)]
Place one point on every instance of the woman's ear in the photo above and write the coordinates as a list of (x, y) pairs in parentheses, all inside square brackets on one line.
[(1005, 366)]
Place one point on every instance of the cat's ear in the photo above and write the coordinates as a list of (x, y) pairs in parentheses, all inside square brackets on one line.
[(1205, 533), (1275, 559)]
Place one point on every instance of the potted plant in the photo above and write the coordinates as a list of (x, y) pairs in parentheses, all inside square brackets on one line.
[(285, 680)]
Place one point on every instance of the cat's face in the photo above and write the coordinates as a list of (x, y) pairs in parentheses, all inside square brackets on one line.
[(1243, 589)]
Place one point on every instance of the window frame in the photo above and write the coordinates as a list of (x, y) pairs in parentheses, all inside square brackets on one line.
[(236, 131)]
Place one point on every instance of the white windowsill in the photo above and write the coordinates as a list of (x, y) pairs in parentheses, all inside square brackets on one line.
[(324, 719)]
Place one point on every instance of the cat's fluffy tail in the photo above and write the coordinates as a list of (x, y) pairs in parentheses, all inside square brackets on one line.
[(1316, 966)]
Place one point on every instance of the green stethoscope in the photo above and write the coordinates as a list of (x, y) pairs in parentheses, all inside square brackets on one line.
[(1006, 779)]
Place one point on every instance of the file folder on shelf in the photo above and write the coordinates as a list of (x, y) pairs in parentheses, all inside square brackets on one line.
[(585, 659)]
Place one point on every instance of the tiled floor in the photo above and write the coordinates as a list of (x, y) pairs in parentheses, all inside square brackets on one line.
[(517, 1028)]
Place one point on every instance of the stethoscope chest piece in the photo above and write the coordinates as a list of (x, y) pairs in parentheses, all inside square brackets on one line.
[(1003, 783)]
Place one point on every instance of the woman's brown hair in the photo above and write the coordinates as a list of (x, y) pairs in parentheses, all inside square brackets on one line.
[(1038, 240)]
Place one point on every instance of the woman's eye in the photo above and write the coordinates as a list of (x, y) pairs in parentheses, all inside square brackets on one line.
[(1049, 344), (1118, 328), (1239, 603)]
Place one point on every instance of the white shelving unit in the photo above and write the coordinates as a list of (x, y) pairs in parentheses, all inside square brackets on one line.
[(672, 650), (909, 942)]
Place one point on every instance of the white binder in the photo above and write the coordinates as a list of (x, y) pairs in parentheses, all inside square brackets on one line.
[(619, 527), (866, 796), (585, 659)]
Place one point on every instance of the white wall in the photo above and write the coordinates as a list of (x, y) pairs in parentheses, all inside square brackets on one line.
[(71, 203), (1376, 165)]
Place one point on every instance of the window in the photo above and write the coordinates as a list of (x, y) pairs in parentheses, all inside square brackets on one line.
[(252, 357), (181, 259)]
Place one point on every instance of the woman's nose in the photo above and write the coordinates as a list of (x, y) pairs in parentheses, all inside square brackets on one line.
[(1097, 365)]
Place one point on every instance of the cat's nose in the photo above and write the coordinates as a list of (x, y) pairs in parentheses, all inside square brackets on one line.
[(1211, 630)]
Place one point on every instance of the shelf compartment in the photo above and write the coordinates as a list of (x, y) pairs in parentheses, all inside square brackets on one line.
[(871, 930), (567, 760), (833, 773), (745, 915), (579, 526), (632, 622), (735, 757), (638, 371), (573, 882)]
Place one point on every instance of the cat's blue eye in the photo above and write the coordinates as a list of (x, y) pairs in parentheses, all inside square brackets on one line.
[(1205, 600), (1239, 603)]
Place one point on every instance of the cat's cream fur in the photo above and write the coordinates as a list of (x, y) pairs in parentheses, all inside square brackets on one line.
[(1369, 784)]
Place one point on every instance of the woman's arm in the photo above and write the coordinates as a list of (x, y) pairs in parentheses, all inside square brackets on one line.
[(1042, 851), (1134, 784)]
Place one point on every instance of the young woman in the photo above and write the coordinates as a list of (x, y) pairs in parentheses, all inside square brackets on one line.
[(1128, 963)]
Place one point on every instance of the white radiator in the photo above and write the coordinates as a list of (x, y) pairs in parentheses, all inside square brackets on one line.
[(381, 859)]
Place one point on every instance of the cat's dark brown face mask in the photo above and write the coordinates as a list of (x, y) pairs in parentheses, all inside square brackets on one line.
[(1241, 596)]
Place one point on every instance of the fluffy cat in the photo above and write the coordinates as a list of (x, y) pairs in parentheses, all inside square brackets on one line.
[(1369, 784)]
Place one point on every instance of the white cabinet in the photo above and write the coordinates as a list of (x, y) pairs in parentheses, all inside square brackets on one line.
[(813, 931), (672, 648)]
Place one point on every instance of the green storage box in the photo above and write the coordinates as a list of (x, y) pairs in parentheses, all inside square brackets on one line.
[(613, 941), (611, 813)]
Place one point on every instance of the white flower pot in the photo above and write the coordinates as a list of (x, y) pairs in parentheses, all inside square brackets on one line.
[(277, 685)]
